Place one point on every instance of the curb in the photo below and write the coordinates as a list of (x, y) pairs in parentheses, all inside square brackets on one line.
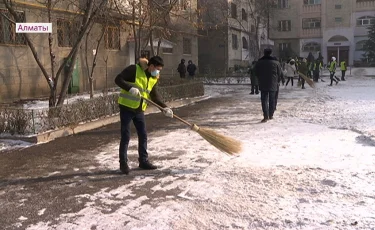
[(67, 131)]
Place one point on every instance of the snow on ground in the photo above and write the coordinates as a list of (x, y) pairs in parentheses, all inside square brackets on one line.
[(13, 144), (310, 168)]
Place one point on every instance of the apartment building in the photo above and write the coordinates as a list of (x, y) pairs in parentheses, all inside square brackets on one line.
[(332, 27), (21, 77), (227, 35)]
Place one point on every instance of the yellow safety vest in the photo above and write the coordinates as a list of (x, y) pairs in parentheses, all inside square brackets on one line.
[(343, 66), (144, 85)]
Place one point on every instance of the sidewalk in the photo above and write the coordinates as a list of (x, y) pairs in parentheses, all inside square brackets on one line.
[(312, 167)]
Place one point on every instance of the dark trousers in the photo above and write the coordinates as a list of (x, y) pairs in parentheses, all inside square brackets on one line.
[(343, 74), (254, 88), (316, 76), (289, 79), (268, 103), (332, 77), (276, 96), (138, 118), (303, 83)]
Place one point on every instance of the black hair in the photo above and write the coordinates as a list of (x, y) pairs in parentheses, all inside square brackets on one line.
[(156, 61), (267, 52)]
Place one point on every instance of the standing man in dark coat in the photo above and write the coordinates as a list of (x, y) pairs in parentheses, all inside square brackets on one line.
[(182, 68), (269, 73)]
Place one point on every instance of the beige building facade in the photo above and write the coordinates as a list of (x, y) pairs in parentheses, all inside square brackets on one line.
[(22, 79), (332, 27)]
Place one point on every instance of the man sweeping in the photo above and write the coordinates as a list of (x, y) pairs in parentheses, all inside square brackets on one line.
[(138, 81), (332, 71)]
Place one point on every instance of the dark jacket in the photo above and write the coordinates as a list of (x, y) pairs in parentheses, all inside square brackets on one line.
[(191, 68), (269, 73), (303, 68)]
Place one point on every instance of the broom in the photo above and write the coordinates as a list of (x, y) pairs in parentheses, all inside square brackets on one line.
[(308, 80), (221, 142)]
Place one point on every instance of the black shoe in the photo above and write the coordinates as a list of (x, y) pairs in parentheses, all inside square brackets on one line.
[(343, 79), (303, 87), (124, 167), (252, 93), (257, 92), (147, 165), (330, 85), (264, 120), (271, 117), (337, 82)]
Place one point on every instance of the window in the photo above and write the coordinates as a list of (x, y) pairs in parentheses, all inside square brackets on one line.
[(365, 21), (285, 25), (310, 23), (244, 15), (284, 46), (282, 4), (8, 33), (338, 19), (338, 7), (234, 42), (186, 44), (167, 50), (233, 10), (245, 44), (67, 32), (311, 47), (311, 2), (359, 46), (112, 38)]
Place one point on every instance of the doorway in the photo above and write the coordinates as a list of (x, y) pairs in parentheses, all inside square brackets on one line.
[(340, 52)]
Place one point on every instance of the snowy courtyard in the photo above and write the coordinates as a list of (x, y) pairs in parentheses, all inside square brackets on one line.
[(312, 167)]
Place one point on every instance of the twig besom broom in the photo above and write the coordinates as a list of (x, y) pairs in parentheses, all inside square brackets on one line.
[(308, 80), (221, 142)]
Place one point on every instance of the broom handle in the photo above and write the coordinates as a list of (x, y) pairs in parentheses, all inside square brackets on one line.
[(174, 116)]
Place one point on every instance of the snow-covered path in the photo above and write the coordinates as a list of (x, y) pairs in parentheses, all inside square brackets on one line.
[(312, 167)]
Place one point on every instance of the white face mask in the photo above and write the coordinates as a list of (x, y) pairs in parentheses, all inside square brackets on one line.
[(155, 73)]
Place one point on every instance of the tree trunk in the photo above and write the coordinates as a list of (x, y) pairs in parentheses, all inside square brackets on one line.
[(68, 77)]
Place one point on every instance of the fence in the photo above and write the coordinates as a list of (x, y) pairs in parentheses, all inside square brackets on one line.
[(34, 121)]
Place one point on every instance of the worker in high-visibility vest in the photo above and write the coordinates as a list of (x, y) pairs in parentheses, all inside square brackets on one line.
[(343, 70), (332, 71), (137, 81)]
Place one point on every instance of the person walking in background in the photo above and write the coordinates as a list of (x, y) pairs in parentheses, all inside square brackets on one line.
[(269, 72), (343, 70), (191, 68), (138, 81), (316, 70), (291, 71), (332, 71), (253, 79), (182, 68), (303, 69)]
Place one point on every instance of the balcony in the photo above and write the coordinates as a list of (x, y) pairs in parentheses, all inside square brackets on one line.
[(315, 32), (316, 8), (365, 5)]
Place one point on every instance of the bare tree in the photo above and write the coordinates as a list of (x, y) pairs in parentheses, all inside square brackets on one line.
[(87, 14), (151, 20)]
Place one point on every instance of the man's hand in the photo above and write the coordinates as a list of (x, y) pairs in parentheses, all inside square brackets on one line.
[(135, 91), (168, 112)]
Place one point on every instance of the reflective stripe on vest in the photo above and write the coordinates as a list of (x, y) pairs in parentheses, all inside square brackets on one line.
[(144, 85)]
